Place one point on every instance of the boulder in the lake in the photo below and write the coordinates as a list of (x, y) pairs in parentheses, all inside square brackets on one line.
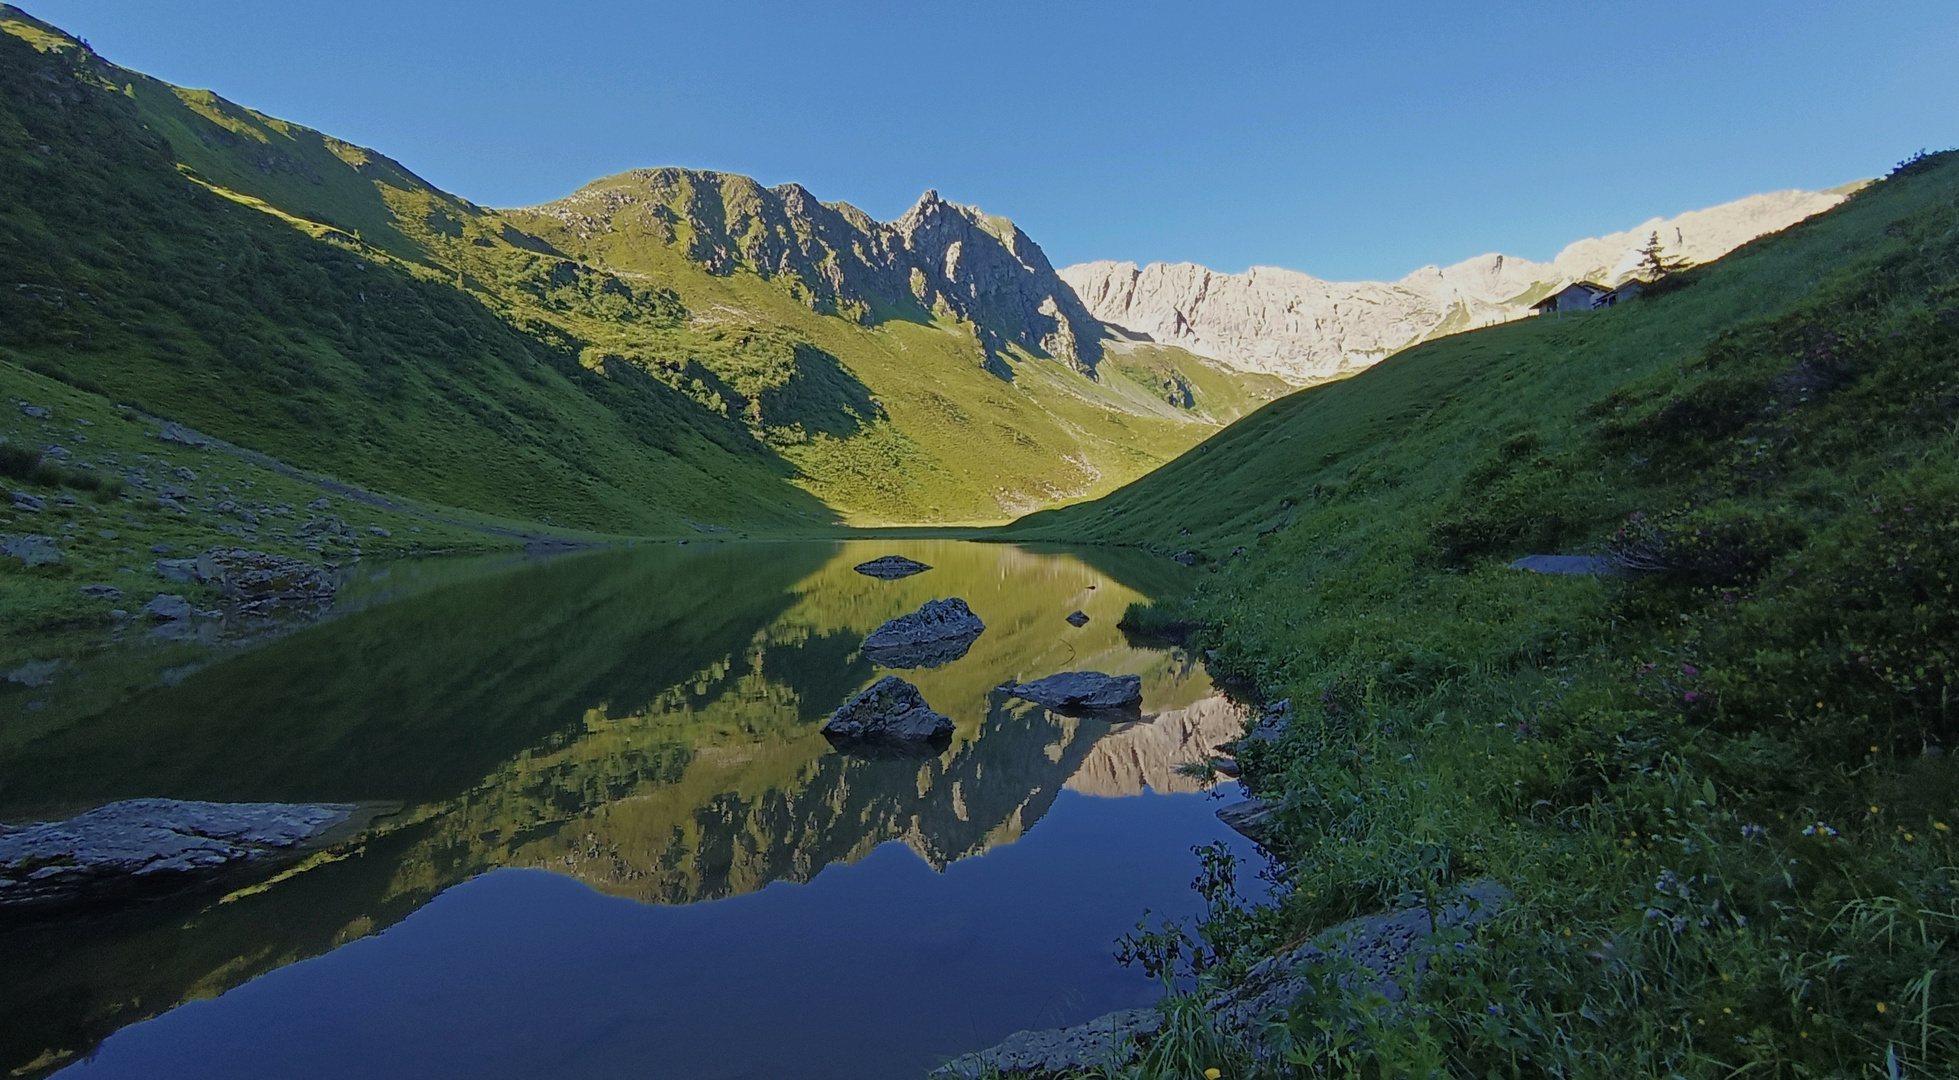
[(889, 710), (149, 845), (938, 633), (891, 567), (1079, 618), (1081, 692)]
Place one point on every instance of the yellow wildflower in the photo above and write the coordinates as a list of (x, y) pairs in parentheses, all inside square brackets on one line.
[(1880, 1007), (1212, 1073)]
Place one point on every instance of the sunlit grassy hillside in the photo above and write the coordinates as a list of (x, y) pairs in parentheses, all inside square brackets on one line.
[(317, 301), (1717, 780)]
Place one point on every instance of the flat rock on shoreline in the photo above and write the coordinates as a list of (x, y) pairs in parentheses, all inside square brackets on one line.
[(144, 844)]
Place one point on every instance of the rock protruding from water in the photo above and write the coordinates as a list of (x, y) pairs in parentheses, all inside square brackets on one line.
[(1252, 819), (1081, 692), (891, 567), (889, 710), (1384, 954), (145, 844), (938, 633), (1078, 619)]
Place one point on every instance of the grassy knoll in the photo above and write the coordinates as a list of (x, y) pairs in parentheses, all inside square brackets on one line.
[(1719, 786)]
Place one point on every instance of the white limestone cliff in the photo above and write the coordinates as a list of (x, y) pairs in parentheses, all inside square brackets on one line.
[(1303, 329)]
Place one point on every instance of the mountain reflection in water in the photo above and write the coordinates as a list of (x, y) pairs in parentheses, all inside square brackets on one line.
[(644, 721)]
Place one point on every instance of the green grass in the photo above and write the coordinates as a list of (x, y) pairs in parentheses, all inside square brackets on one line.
[(1718, 788), (315, 300)]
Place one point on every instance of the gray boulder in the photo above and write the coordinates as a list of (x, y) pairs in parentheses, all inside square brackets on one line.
[(101, 592), (1252, 818), (938, 633), (891, 567), (149, 843), (173, 432), (1081, 691), (181, 571), (34, 673), (38, 412), (32, 504), (168, 607), (31, 550), (890, 709), (1079, 618)]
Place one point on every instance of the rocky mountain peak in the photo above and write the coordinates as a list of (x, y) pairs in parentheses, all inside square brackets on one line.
[(940, 259), (1304, 329)]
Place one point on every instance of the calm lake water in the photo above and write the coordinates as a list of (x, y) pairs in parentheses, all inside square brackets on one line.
[(614, 842)]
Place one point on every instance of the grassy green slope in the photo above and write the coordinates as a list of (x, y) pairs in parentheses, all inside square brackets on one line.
[(913, 428), (318, 301), (138, 280), (1717, 786)]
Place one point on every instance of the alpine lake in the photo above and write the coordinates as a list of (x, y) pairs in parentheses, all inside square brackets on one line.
[(601, 834)]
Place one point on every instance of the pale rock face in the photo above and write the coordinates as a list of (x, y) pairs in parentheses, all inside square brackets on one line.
[(1148, 754), (1305, 330)]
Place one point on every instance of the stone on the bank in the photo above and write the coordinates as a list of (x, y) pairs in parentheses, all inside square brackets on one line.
[(1081, 691), (101, 592), (891, 567), (890, 709), (31, 550), (148, 843), (30, 504), (173, 432), (1251, 819), (938, 633), (168, 607), (1105, 1040)]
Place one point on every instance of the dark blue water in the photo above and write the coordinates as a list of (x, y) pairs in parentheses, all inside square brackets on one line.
[(878, 969), (612, 841)]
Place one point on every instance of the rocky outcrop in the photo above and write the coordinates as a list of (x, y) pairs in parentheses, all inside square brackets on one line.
[(148, 844), (891, 567), (889, 710), (1081, 692), (938, 633), (1304, 329), (255, 582), (31, 550), (1383, 954), (939, 258)]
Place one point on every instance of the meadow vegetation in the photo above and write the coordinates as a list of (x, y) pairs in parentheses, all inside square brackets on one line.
[(1718, 780)]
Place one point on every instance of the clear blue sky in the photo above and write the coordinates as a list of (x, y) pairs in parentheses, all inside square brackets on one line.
[(1348, 140)]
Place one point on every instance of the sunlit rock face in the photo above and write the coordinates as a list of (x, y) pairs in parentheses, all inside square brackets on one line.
[(940, 258), (1147, 754), (1303, 329)]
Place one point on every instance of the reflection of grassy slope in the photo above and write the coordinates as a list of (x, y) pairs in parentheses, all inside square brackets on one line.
[(1722, 790), (362, 361), (645, 720), (418, 701)]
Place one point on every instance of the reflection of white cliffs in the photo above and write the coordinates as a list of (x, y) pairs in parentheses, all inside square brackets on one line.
[(1303, 329), (1147, 754)]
